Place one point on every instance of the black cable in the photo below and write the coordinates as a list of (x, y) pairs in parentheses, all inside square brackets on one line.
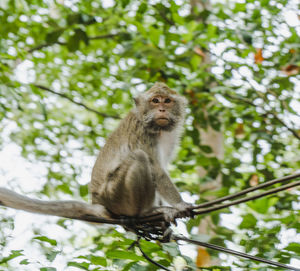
[(245, 199), (149, 259), (159, 216), (233, 252), (248, 190)]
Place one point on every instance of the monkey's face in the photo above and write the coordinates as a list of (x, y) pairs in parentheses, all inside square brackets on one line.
[(161, 107), (161, 112)]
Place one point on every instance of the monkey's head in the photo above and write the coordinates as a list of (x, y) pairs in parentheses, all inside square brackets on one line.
[(160, 108)]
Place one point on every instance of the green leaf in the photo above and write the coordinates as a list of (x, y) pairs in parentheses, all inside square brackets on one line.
[(206, 148), (24, 262), (294, 247), (47, 269), (84, 265), (13, 254), (239, 7), (97, 260), (195, 62), (154, 35), (142, 8), (259, 205), (83, 189), (211, 31), (249, 222), (74, 41), (52, 255), (52, 37), (52, 242), (73, 18), (171, 248), (125, 3), (81, 35), (120, 254)]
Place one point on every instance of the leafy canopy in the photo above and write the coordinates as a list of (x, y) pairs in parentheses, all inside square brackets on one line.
[(237, 62)]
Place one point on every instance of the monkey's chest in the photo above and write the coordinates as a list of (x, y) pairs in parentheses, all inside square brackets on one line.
[(165, 148)]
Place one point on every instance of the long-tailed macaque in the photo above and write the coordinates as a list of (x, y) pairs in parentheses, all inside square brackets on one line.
[(129, 177)]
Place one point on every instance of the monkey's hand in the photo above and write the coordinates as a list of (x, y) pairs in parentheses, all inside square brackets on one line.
[(179, 210), (184, 209)]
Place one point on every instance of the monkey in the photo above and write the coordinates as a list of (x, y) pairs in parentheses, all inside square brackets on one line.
[(129, 177)]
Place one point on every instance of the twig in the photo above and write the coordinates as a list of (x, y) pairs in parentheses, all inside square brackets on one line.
[(294, 132), (43, 45), (274, 114), (233, 252), (77, 103), (163, 15), (267, 112), (106, 36)]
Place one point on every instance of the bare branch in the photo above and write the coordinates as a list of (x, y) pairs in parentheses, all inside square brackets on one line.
[(78, 103), (294, 132), (107, 36), (267, 112), (41, 46)]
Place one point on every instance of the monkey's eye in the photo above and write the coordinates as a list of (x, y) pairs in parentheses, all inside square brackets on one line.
[(167, 101), (155, 100)]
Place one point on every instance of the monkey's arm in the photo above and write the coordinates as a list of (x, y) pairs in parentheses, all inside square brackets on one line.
[(167, 189), (68, 209)]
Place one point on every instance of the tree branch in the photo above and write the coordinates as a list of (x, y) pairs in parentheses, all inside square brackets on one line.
[(41, 46), (77, 103), (267, 112)]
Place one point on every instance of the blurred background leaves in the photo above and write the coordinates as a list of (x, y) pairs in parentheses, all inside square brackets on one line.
[(68, 72)]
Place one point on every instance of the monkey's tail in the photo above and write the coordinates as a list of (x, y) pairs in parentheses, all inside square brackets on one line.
[(68, 209)]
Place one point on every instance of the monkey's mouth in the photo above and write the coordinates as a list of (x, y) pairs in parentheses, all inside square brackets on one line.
[(162, 121)]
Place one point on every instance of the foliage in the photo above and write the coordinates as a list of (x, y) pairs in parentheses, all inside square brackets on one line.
[(236, 62)]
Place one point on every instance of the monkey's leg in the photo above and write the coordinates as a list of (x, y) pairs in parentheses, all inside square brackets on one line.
[(130, 189)]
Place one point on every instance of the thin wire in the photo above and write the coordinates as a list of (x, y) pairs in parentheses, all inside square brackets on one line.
[(233, 252), (149, 259), (245, 199), (158, 217), (248, 190)]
